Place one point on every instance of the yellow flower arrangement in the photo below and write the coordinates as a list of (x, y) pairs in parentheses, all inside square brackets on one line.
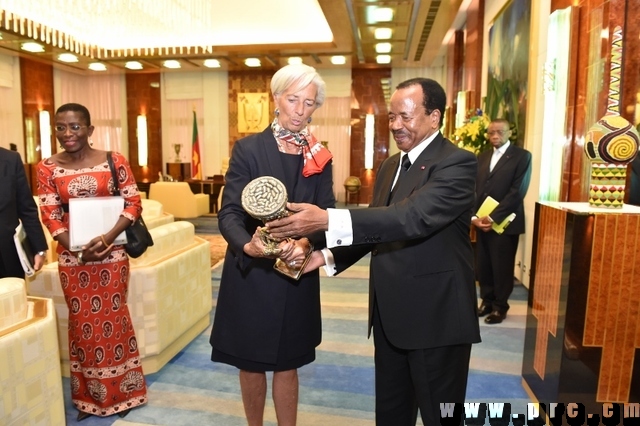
[(472, 135)]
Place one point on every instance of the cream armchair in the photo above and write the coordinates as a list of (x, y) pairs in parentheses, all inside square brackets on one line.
[(169, 295), (30, 380), (178, 200)]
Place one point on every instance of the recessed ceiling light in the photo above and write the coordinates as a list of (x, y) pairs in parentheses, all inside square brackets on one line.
[(67, 57), (32, 47), (252, 62), (383, 47), (171, 63), (97, 66), (382, 14), (382, 33), (294, 60), (133, 65), (383, 59), (338, 60), (212, 63)]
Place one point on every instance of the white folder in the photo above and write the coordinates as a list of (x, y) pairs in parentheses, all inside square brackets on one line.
[(92, 217), (24, 250)]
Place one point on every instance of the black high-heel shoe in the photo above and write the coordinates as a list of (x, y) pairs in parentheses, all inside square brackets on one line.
[(124, 413), (82, 415)]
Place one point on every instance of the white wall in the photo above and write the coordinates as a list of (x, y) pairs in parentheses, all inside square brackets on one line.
[(210, 89)]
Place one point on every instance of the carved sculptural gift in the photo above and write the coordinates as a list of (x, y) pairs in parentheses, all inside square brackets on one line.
[(265, 198), (611, 143)]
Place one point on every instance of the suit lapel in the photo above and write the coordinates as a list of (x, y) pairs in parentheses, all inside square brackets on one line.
[(381, 197), (271, 155), (273, 158), (503, 159), (414, 177)]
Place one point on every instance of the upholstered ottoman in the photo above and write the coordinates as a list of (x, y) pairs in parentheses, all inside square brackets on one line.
[(30, 379)]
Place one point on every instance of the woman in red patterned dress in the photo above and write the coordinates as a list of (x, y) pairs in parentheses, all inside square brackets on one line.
[(106, 371)]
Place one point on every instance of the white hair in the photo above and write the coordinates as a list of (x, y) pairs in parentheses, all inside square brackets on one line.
[(297, 77)]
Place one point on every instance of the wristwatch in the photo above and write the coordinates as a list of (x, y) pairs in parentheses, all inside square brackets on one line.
[(80, 258)]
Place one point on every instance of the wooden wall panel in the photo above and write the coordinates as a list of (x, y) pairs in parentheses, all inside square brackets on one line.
[(143, 98), (37, 95)]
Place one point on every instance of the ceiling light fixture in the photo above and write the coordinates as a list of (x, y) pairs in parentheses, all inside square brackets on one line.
[(383, 47), (67, 57), (382, 14), (383, 59), (252, 62), (32, 47), (133, 65), (382, 33), (168, 26), (97, 66), (171, 63), (294, 60), (338, 60), (212, 63)]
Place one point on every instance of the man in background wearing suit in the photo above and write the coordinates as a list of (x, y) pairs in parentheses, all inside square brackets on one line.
[(503, 174), (634, 185), (422, 297), (16, 202)]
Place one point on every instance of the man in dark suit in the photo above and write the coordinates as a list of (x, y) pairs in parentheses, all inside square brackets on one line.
[(634, 185), (16, 202), (503, 174), (422, 298)]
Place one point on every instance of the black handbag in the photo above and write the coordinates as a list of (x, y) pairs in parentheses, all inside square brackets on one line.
[(138, 236)]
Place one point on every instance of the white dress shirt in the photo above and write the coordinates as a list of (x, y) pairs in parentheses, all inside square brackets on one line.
[(497, 153), (340, 229)]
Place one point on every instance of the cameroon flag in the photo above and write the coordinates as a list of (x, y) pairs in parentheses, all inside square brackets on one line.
[(196, 166)]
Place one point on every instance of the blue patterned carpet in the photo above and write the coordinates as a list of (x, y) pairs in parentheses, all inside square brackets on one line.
[(338, 388)]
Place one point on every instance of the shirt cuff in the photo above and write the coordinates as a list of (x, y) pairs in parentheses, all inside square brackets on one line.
[(340, 230), (329, 262)]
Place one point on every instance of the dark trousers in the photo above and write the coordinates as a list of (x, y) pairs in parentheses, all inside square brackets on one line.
[(11, 267), (496, 257), (408, 380)]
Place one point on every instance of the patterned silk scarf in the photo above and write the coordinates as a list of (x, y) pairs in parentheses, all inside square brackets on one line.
[(314, 154)]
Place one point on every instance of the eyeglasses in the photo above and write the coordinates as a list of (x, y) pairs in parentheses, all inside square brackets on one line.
[(74, 128), (497, 132)]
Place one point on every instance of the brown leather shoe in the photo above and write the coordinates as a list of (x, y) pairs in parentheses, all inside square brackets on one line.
[(495, 317), (483, 310)]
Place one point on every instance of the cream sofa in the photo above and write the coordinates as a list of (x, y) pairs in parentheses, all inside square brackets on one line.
[(154, 215), (152, 212), (169, 295), (30, 380), (178, 200)]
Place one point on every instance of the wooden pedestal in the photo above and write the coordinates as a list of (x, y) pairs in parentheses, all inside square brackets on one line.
[(583, 315)]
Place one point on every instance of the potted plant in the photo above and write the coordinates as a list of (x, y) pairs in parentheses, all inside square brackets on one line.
[(472, 135)]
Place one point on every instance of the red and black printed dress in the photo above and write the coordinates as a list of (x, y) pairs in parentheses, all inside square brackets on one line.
[(106, 371)]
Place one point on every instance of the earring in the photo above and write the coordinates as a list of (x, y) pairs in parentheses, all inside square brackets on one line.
[(90, 142), (277, 112), (309, 120)]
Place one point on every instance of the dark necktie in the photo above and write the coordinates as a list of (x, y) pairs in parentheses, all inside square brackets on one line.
[(406, 164)]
